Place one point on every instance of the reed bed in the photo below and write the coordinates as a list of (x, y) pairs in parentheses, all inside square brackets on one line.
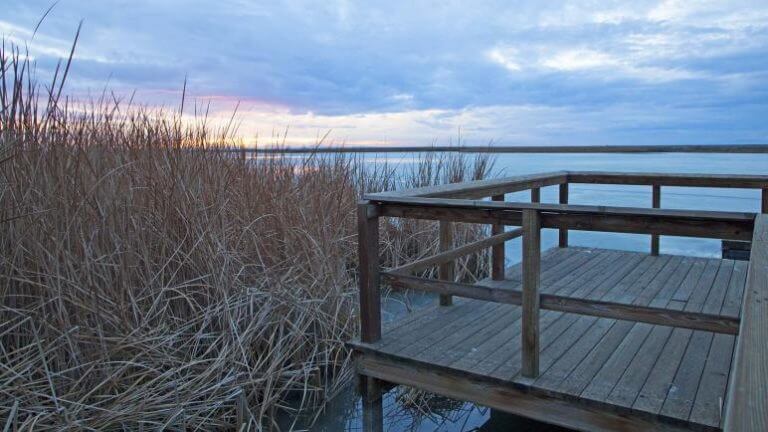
[(150, 280)]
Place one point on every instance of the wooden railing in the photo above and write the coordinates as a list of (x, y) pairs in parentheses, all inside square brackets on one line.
[(464, 203), (746, 403)]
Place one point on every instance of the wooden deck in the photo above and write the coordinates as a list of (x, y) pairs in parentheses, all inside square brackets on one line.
[(590, 339), (643, 374)]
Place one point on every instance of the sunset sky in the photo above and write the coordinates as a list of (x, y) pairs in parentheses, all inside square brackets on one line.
[(414, 73)]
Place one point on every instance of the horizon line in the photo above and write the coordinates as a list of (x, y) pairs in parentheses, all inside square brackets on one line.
[(649, 148)]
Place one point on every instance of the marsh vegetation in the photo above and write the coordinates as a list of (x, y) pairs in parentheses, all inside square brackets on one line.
[(148, 279)]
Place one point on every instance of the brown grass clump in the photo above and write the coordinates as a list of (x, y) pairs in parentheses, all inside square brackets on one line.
[(149, 280)]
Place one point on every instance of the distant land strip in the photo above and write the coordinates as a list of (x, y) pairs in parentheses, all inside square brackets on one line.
[(675, 148)]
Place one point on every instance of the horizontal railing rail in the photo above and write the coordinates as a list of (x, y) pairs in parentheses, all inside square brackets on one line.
[(687, 223), (598, 308), (486, 188), (663, 179), (458, 252), (481, 188)]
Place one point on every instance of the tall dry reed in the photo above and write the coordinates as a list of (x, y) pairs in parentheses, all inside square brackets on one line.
[(148, 280)]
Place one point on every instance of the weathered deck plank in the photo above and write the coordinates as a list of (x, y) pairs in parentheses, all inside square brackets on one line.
[(583, 375), (682, 394), (707, 407), (654, 373), (506, 365)]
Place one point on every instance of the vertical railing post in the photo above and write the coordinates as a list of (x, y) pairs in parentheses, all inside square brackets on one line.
[(656, 201), (368, 250), (563, 232), (531, 283), (535, 195), (497, 251), (764, 206), (445, 271), (370, 306)]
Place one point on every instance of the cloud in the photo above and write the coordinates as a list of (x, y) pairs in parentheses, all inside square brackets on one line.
[(611, 67), (504, 56), (421, 68), (603, 65), (579, 59)]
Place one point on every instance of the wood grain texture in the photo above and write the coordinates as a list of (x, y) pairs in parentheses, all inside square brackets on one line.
[(458, 252), (747, 398), (687, 223), (480, 188), (368, 254), (480, 338), (655, 203), (445, 270), (498, 256), (530, 294), (506, 397), (597, 308), (490, 187), (666, 179), (562, 240)]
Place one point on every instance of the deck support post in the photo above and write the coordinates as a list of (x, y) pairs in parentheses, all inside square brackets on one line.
[(445, 271), (764, 206), (531, 283), (656, 203), (497, 251), (372, 404), (368, 252), (563, 232)]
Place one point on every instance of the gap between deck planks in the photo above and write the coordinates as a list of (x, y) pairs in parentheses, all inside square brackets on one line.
[(673, 373)]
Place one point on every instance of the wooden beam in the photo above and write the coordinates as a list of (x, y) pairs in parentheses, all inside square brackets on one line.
[(446, 269), (664, 179), (368, 255), (479, 188), (747, 397), (498, 258), (451, 203), (508, 396), (764, 206), (563, 232), (490, 187), (460, 251), (640, 224), (531, 285), (656, 203), (372, 403), (536, 195), (477, 292), (597, 308), (685, 223), (735, 250), (645, 314)]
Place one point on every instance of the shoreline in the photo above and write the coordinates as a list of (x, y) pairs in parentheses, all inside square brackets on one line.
[(675, 148)]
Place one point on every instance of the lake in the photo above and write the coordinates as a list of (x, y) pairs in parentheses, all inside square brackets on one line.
[(344, 412)]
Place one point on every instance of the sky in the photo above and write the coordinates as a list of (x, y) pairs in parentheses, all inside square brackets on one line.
[(426, 72)]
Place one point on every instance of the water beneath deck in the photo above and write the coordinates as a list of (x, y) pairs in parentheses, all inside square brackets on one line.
[(344, 413)]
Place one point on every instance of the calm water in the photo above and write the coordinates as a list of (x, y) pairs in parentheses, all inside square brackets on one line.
[(344, 413)]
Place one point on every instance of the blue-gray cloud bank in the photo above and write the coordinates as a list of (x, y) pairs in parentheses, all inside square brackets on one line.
[(410, 72)]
